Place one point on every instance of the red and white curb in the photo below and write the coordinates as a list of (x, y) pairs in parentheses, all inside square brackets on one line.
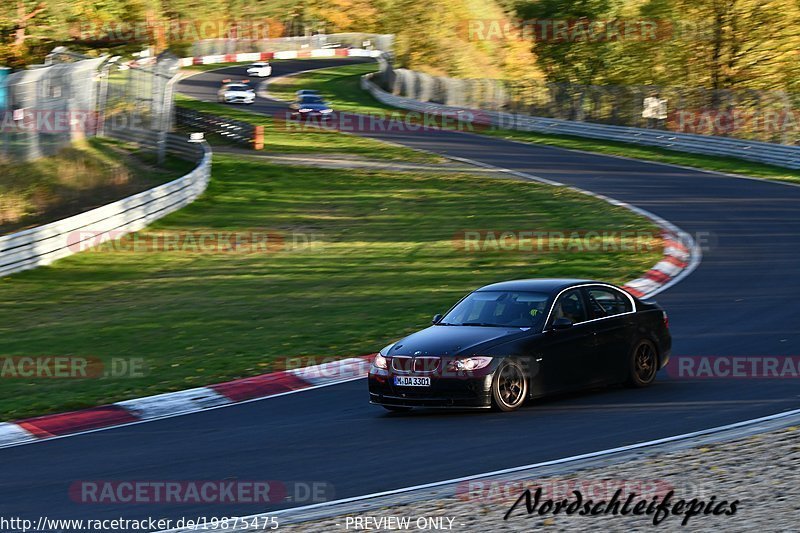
[(267, 56), (183, 402), (677, 257)]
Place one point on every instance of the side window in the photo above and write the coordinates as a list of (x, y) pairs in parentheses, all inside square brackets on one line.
[(608, 302), (570, 305)]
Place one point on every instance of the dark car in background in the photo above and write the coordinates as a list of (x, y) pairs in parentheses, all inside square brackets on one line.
[(511, 341), (310, 106)]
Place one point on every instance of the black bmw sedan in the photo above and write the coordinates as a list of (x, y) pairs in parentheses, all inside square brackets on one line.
[(507, 342)]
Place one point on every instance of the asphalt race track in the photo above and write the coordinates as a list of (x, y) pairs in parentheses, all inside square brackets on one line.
[(743, 300)]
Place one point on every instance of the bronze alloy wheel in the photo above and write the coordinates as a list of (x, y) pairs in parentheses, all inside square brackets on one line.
[(509, 387), (644, 364)]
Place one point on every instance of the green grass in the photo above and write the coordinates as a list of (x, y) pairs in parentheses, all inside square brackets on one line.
[(380, 262), (341, 86), (280, 138)]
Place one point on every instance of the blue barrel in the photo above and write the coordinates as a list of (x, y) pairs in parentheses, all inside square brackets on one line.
[(4, 72)]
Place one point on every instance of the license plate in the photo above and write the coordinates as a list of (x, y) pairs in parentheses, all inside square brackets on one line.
[(410, 381)]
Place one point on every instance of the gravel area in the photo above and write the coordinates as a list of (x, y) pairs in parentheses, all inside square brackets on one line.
[(762, 473)]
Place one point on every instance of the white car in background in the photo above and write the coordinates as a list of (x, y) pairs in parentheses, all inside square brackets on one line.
[(236, 93), (262, 70)]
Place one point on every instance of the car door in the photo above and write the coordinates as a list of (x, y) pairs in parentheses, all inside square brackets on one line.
[(565, 355), (614, 326)]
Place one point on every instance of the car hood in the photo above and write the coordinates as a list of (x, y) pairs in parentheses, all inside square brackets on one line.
[(238, 93), (453, 340)]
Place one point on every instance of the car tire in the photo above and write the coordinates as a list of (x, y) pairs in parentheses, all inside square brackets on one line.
[(642, 364), (396, 408), (509, 386)]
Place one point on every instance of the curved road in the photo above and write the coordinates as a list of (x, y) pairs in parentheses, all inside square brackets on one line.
[(744, 299)]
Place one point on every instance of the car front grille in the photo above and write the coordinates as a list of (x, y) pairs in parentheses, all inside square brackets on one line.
[(417, 365)]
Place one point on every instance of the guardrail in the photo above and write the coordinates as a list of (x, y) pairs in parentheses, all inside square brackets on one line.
[(761, 152), (44, 244), (237, 131)]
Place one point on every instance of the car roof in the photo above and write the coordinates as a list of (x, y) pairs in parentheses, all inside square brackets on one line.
[(538, 285)]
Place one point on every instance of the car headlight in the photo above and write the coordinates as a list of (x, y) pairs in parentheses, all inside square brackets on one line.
[(380, 359), (469, 363), (380, 362), (305, 110), (326, 111)]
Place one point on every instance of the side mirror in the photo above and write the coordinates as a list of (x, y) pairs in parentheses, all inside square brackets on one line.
[(436, 319), (562, 323)]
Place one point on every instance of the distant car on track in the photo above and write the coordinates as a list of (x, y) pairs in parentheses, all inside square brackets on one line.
[(507, 342), (236, 93), (260, 69), (311, 106)]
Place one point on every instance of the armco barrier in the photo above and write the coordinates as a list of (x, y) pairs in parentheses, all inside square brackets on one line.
[(761, 152), (44, 244)]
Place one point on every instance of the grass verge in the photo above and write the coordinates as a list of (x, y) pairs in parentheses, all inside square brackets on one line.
[(80, 177), (341, 86), (375, 258)]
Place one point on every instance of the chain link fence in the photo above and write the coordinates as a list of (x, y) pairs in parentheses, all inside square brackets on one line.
[(72, 97), (49, 106), (139, 97), (770, 116), (372, 41)]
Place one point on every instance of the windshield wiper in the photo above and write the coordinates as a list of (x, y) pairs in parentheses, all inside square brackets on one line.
[(485, 324)]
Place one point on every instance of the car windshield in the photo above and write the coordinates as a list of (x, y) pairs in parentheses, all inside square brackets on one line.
[(505, 309), (238, 88), (311, 100)]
